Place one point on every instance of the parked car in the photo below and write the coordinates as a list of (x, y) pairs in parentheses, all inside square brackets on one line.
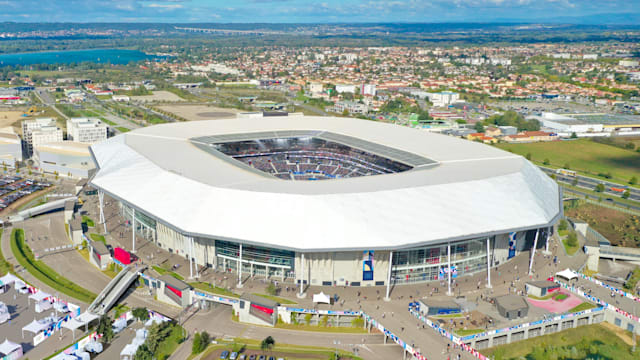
[(234, 356), (224, 355)]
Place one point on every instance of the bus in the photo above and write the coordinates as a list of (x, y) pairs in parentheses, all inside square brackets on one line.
[(566, 172)]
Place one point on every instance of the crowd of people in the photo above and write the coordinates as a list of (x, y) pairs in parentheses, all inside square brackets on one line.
[(309, 159)]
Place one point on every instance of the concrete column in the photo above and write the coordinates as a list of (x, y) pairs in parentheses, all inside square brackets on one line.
[(387, 298), (283, 270), (224, 265), (301, 275), (449, 268), (488, 265), (251, 269), (533, 250), (103, 220), (240, 268), (195, 261), (133, 230), (190, 258), (546, 245)]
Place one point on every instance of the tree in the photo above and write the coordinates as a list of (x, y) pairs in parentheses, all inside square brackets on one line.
[(633, 180), (567, 166), (562, 225), (141, 314), (271, 289), (546, 162), (600, 188), (574, 182), (267, 344), (626, 194), (196, 347), (574, 135), (479, 127), (157, 333), (105, 328), (143, 353), (528, 156)]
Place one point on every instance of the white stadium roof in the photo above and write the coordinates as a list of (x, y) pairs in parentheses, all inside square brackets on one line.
[(471, 190)]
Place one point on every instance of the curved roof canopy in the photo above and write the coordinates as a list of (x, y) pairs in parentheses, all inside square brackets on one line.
[(465, 190)]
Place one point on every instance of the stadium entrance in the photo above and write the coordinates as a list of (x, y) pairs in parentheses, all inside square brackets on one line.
[(256, 261)]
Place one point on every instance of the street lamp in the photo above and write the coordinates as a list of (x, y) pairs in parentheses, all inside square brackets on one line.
[(336, 343)]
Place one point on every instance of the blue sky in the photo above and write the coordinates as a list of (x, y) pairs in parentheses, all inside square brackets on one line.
[(306, 11)]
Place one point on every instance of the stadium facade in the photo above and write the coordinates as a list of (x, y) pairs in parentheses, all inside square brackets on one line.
[(331, 201)]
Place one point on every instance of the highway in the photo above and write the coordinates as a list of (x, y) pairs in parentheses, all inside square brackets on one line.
[(591, 183)]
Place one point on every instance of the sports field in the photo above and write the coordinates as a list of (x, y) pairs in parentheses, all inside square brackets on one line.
[(582, 155)]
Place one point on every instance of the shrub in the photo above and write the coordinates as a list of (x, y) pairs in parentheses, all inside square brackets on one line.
[(141, 314), (572, 239), (562, 225), (357, 322), (546, 162)]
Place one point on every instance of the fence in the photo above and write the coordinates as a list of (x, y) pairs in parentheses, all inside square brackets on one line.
[(596, 236)]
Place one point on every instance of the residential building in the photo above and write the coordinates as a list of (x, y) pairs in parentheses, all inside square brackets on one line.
[(444, 98), (86, 130), (351, 106), (343, 88), (531, 136)]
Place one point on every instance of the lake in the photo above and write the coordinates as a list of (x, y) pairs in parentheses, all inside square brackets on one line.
[(113, 56)]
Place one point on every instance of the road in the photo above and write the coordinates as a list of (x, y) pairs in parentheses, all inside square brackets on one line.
[(612, 201), (590, 184)]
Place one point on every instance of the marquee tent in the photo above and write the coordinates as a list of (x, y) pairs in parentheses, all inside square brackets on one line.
[(567, 274), (10, 350), (35, 327), (39, 296), (321, 298)]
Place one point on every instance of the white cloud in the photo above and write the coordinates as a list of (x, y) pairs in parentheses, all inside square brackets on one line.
[(164, 6)]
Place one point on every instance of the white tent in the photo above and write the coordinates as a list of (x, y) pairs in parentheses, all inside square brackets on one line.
[(35, 327), (567, 274), (11, 349), (73, 324), (128, 352), (321, 298), (39, 296), (8, 279)]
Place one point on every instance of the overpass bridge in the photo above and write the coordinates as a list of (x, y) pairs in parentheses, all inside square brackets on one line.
[(114, 290), (41, 209)]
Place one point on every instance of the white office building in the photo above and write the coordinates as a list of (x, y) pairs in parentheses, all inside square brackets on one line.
[(29, 126), (45, 135), (86, 130)]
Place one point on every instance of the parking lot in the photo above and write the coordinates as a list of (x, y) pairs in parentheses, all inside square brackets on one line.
[(13, 188)]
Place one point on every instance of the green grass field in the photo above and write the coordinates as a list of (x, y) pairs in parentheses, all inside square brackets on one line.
[(582, 307), (5, 266), (282, 301), (163, 271), (582, 155), (585, 342), (206, 287), (44, 273)]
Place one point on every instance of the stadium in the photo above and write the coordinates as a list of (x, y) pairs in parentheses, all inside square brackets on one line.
[(326, 200)]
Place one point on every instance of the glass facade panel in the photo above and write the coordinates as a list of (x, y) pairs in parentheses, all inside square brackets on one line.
[(282, 258), (425, 264)]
